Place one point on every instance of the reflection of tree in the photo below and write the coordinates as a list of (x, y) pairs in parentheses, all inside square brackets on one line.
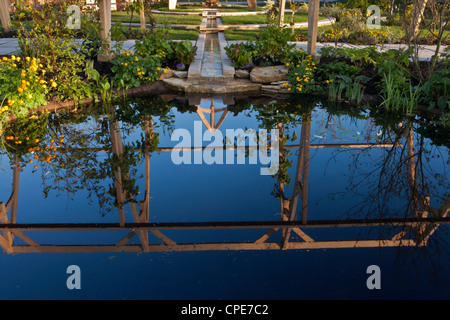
[(73, 148), (403, 174), (122, 151)]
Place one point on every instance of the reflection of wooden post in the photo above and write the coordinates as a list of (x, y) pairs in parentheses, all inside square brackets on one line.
[(306, 144), (412, 172), (7, 240), (117, 147), (313, 22), (212, 126), (300, 185), (105, 21), (4, 15), (145, 205), (212, 114)]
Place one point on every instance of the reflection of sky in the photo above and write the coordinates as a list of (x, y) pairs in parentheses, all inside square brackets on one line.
[(183, 193)]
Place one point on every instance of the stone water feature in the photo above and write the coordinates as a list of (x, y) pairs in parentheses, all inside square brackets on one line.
[(212, 71)]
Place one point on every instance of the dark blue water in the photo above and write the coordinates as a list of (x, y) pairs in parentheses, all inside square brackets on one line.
[(343, 184)]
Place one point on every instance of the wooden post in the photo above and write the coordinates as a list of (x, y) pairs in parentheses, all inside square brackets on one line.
[(251, 4), (313, 21), (4, 15), (172, 4), (105, 21), (142, 15), (281, 13)]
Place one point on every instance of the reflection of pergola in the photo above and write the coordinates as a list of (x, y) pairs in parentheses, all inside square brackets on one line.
[(423, 225), (212, 126)]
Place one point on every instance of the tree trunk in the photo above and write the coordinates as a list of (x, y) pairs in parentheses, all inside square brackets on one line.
[(142, 15), (4, 15), (416, 17), (281, 10), (251, 4)]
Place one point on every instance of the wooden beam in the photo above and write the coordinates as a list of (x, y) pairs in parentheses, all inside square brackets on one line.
[(25, 238), (266, 236), (216, 246), (5, 245), (312, 224)]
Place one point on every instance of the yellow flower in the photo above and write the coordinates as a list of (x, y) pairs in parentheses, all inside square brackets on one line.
[(54, 84), (20, 90)]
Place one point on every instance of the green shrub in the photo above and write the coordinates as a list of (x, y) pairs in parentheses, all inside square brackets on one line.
[(436, 91), (134, 68), (272, 45), (22, 85), (241, 55), (301, 67), (47, 38)]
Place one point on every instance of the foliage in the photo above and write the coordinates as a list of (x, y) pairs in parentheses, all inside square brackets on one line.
[(157, 43), (331, 70), (436, 91), (22, 85), (352, 88), (301, 68), (241, 54), (272, 11), (47, 38), (398, 93), (272, 45), (134, 67), (359, 57), (183, 52)]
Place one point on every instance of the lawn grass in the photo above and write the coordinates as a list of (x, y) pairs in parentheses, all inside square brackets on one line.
[(262, 19), (183, 34), (251, 35), (224, 9), (124, 18)]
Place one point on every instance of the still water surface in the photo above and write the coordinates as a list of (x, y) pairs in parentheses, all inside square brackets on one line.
[(339, 169)]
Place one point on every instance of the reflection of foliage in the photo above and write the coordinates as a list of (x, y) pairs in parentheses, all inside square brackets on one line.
[(430, 127), (288, 112), (73, 152), (134, 111), (24, 134)]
